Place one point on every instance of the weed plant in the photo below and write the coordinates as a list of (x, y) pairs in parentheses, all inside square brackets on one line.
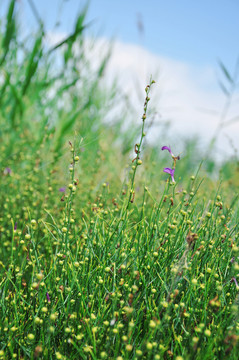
[(104, 255)]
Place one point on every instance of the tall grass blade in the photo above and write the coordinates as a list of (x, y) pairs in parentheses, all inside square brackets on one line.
[(225, 72), (33, 63), (10, 31)]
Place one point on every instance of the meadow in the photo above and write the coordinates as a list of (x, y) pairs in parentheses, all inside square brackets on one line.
[(110, 247)]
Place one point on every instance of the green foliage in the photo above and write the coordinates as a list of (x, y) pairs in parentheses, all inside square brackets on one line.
[(101, 256)]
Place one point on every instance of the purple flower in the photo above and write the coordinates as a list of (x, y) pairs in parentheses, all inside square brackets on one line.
[(15, 226), (48, 297), (7, 171), (62, 189), (167, 148), (170, 151), (170, 172), (235, 281)]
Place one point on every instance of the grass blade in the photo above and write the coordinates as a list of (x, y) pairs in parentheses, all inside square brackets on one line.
[(225, 72)]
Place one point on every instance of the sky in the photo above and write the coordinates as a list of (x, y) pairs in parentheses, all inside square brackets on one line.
[(179, 42)]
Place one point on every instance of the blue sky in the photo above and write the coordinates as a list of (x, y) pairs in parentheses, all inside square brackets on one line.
[(192, 31), (181, 39), (197, 32), (187, 30)]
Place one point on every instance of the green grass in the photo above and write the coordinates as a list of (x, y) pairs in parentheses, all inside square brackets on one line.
[(101, 255)]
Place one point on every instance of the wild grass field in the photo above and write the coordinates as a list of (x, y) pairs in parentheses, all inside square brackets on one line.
[(110, 247)]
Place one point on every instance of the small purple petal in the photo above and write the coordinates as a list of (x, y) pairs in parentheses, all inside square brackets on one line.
[(167, 148), (48, 297), (235, 281), (15, 226), (7, 171), (170, 172), (62, 189)]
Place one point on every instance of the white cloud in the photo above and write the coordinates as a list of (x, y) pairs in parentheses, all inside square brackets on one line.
[(54, 38), (186, 95)]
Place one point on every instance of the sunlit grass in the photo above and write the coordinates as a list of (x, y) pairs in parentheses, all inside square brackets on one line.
[(102, 256)]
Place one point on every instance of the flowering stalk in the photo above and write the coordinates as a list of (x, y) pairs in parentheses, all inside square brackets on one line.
[(137, 149), (72, 188), (171, 171)]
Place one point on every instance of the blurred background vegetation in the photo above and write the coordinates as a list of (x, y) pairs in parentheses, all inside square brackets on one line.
[(52, 95)]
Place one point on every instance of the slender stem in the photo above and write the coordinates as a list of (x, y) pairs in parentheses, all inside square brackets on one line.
[(139, 145)]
